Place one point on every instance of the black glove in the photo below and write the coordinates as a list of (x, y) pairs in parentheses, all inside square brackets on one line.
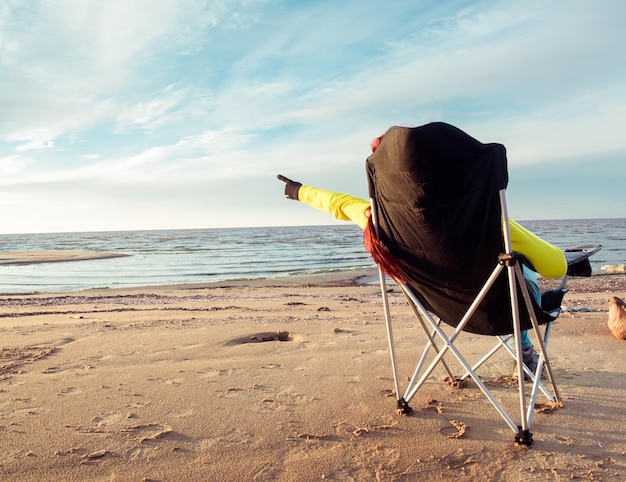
[(291, 187)]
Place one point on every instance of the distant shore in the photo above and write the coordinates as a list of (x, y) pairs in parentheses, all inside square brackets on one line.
[(35, 257)]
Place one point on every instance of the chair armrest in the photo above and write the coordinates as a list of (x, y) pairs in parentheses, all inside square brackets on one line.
[(578, 259)]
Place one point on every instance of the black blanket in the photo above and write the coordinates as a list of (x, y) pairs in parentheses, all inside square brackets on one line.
[(436, 194)]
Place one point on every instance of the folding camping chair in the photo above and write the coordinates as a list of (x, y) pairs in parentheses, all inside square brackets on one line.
[(439, 209)]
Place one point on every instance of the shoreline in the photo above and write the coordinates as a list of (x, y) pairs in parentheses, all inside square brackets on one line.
[(356, 275), (361, 277), (334, 278)]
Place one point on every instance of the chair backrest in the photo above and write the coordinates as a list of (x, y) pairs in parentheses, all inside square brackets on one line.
[(436, 194)]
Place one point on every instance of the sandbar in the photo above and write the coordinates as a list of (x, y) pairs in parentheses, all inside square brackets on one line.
[(33, 257)]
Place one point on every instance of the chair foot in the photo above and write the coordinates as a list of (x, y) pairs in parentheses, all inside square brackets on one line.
[(524, 437), (403, 407)]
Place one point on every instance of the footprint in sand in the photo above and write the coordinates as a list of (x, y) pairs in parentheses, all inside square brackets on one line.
[(231, 392), (272, 366), (182, 413), (458, 459), (217, 372), (20, 412), (108, 419), (148, 432), (174, 381), (69, 391)]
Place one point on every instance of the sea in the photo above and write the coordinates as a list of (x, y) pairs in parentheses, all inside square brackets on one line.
[(184, 256)]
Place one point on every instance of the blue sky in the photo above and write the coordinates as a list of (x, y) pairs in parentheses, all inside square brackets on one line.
[(154, 114)]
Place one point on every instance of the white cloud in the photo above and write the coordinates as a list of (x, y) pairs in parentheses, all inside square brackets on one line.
[(161, 109), (90, 157), (35, 145), (12, 164), (67, 64)]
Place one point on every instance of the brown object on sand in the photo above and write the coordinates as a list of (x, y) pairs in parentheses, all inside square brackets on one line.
[(261, 337), (617, 317)]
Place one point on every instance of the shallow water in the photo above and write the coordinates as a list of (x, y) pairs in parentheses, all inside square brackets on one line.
[(206, 255)]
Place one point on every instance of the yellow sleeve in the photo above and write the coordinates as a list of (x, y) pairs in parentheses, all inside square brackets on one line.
[(342, 206), (548, 260)]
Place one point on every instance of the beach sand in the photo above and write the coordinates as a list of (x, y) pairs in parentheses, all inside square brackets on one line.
[(176, 384)]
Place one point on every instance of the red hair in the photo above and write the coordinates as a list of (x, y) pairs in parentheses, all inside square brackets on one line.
[(381, 255), (376, 142)]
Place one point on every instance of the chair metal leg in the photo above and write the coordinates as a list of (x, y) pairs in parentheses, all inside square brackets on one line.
[(403, 406)]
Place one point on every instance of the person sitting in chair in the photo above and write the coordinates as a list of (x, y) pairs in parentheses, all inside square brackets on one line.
[(350, 208)]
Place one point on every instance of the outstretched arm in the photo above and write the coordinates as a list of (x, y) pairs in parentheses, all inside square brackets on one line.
[(342, 206), (548, 260)]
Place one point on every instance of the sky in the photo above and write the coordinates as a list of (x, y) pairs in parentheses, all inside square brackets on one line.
[(163, 114)]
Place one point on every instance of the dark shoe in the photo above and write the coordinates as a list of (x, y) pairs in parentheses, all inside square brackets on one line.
[(530, 358)]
